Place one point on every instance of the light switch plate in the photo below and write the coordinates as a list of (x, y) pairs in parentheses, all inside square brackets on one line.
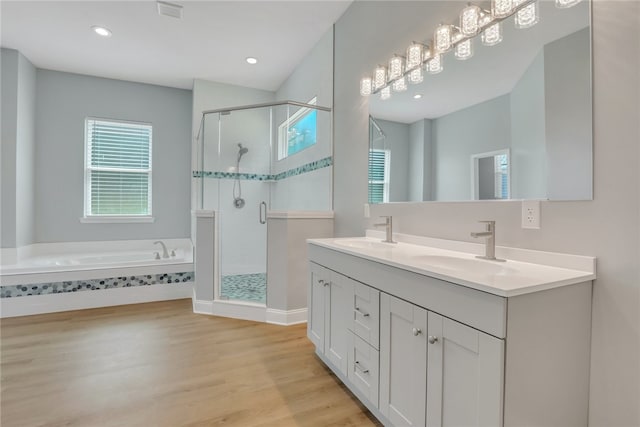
[(531, 214)]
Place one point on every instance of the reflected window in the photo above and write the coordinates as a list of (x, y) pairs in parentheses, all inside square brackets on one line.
[(379, 175), (298, 132), (490, 173)]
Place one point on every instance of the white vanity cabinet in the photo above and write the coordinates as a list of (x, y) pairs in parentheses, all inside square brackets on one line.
[(421, 351), (329, 301)]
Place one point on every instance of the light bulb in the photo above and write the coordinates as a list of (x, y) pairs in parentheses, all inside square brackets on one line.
[(492, 35), (414, 55), (527, 16), (470, 20), (400, 85), (366, 86), (379, 77), (464, 50), (385, 93), (442, 38), (434, 65), (396, 67), (501, 8), (416, 76)]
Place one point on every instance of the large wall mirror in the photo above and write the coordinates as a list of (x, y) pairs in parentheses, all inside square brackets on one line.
[(512, 122)]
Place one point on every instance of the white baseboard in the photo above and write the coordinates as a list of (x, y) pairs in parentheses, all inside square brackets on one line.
[(52, 303), (236, 310), (284, 317)]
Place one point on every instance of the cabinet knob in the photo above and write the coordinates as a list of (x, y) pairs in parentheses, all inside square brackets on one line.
[(432, 339), (417, 331)]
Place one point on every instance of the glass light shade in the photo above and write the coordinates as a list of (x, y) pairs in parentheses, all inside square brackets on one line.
[(385, 93), (501, 8), (464, 50), (416, 76), (563, 4), (434, 65), (442, 38), (470, 20), (366, 86), (396, 67), (492, 35), (400, 85), (414, 55), (379, 77), (527, 16)]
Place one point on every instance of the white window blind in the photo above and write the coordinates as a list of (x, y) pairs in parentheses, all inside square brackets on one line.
[(378, 176), (118, 168)]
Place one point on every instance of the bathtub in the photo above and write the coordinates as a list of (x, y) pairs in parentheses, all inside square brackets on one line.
[(44, 278)]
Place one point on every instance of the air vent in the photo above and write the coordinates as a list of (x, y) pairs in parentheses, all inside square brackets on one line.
[(170, 9)]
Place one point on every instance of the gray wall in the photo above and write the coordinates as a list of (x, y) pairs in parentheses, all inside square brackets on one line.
[(568, 117), (607, 227), (64, 101), (528, 154), (18, 145), (486, 127), (416, 160)]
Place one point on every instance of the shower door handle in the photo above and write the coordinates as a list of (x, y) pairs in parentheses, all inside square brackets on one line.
[(263, 212)]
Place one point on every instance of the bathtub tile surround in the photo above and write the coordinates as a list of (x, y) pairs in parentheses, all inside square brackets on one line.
[(94, 284), (245, 287), (308, 167)]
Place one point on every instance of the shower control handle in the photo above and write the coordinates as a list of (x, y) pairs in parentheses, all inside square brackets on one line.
[(263, 212)]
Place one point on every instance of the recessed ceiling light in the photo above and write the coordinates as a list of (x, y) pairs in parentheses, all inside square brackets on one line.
[(251, 60), (417, 96), (101, 31)]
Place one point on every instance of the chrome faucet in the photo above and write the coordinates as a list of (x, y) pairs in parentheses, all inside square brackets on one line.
[(389, 228), (490, 242), (165, 253)]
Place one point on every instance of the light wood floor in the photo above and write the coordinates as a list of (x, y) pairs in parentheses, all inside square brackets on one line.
[(159, 364)]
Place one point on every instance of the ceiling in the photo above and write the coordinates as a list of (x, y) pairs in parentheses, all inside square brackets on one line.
[(210, 42)]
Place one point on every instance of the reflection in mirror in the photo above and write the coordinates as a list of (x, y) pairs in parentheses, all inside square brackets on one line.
[(527, 100)]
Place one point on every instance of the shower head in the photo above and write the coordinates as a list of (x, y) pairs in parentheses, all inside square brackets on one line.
[(241, 151)]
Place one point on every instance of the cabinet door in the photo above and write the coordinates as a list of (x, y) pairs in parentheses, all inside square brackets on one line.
[(337, 311), (316, 302), (403, 361), (464, 375), (364, 368)]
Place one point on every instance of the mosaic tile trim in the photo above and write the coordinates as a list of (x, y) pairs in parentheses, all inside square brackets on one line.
[(245, 287), (94, 284), (309, 167)]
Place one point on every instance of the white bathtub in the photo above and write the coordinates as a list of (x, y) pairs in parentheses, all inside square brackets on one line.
[(51, 277)]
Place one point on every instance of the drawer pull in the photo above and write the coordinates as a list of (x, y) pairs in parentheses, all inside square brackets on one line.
[(364, 371), (417, 331), (432, 339), (362, 312)]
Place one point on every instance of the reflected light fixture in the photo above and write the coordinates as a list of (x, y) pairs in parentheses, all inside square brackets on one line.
[(101, 31), (417, 96), (473, 20), (251, 60)]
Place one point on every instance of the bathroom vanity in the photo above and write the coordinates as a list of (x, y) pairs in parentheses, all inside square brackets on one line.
[(424, 333)]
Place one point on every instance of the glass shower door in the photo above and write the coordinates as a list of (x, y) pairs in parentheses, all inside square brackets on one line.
[(244, 164)]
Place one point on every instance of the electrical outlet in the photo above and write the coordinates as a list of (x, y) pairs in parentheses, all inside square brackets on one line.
[(531, 214)]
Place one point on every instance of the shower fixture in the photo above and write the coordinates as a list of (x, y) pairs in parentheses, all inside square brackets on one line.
[(238, 201)]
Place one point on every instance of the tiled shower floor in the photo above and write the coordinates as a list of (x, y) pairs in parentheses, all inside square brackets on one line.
[(245, 287)]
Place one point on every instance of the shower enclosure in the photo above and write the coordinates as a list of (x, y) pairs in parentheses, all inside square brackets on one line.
[(252, 161)]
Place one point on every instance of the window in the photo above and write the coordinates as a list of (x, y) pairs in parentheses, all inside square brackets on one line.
[(117, 170), (298, 132), (378, 176)]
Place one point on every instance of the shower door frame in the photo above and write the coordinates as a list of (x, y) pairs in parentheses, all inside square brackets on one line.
[(238, 308)]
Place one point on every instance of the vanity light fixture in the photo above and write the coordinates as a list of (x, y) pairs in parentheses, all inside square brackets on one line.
[(101, 31), (473, 21), (251, 60)]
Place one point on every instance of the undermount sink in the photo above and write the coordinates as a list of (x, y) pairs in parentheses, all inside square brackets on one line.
[(464, 264), (364, 244)]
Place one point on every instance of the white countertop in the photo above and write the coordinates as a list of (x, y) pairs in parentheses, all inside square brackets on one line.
[(523, 272)]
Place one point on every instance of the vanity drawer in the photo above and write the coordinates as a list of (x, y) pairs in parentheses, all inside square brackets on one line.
[(366, 313), (364, 368)]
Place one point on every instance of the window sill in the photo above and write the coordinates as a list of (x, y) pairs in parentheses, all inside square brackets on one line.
[(116, 219)]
